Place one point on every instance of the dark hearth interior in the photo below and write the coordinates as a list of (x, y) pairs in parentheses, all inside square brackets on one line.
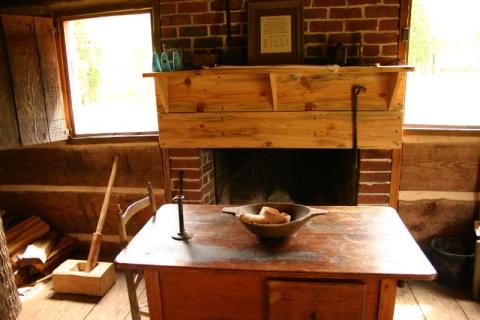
[(310, 177)]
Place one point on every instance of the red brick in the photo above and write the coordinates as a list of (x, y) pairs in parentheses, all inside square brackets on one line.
[(191, 7), (207, 18), (374, 165), (187, 174), (166, 8), (314, 51), (326, 26), (375, 154), (389, 50), (175, 20), (375, 188), (329, 3), (373, 199), (185, 163), (381, 60), (217, 29), (187, 184), (388, 25), (191, 195), (238, 17), (371, 50), (315, 38), (307, 3), (207, 167), (315, 13), (177, 43), (374, 176), (215, 42), (169, 32), (391, 1), (184, 152), (386, 37), (359, 2), (220, 5), (344, 38), (357, 25), (382, 11), (193, 31), (345, 13)]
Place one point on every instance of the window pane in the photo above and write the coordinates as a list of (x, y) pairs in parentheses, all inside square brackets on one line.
[(106, 58), (445, 49)]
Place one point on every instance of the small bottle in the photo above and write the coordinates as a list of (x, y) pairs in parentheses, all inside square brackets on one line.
[(156, 63), (177, 61), (164, 61)]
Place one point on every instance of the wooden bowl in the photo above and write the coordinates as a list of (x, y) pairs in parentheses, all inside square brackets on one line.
[(299, 216)]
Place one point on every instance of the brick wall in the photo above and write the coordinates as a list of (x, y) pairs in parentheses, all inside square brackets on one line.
[(199, 177), (373, 25), (375, 173)]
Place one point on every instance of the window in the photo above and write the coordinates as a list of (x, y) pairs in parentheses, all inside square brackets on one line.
[(105, 58), (445, 50)]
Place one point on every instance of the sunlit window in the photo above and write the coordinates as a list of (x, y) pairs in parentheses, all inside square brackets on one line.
[(106, 57), (445, 49)]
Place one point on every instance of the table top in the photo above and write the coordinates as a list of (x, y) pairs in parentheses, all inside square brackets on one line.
[(346, 242)]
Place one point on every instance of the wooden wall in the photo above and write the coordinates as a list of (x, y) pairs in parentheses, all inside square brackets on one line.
[(439, 186), (65, 184)]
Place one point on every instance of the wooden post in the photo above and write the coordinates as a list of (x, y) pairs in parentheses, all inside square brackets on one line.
[(97, 236), (9, 304)]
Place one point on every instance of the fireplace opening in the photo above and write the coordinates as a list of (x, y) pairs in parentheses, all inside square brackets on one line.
[(305, 176)]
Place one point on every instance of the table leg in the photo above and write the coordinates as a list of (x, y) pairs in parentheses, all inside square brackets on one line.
[(152, 286), (386, 303)]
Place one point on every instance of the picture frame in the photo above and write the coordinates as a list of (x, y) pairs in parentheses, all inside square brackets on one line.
[(275, 32)]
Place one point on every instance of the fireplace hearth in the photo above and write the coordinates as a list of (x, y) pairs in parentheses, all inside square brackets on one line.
[(307, 176)]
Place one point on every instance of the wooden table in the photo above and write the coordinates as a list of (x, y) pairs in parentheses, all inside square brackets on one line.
[(342, 265)]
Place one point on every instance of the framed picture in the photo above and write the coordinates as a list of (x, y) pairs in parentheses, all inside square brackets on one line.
[(275, 32)]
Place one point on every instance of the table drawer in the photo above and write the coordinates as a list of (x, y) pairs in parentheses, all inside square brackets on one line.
[(315, 300)]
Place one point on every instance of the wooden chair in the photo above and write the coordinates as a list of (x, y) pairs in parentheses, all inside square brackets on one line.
[(134, 277)]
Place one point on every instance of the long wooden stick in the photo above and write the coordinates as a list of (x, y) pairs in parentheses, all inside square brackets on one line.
[(97, 235)]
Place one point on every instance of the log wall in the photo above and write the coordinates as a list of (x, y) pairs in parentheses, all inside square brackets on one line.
[(65, 184), (439, 185)]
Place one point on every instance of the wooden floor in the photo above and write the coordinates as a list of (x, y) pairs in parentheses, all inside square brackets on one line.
[(417, 300)]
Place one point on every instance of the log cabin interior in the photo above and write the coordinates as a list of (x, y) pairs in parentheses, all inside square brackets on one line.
[(363, 108)]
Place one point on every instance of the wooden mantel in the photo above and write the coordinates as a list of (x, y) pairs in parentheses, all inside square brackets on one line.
[(288, 106)]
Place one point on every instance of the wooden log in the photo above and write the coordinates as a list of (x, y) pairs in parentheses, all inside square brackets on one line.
[(21, 227), (18, 243), (59, 254), (39, 250)]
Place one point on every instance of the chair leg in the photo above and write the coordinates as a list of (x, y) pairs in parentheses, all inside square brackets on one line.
[(132, 295)]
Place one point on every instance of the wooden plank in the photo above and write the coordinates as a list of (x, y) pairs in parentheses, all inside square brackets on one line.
[(303, 91), (397, 95), (312, 69), (471, 307), (52, 88), (161, 90), (388, 291), (315, 300), (213, 93), (73, 212), (440, 166), (9, 135), (154, 296), (27, 79), (395, 177), (114, 305), (46, 304), (406, 307), (376, 130), (436, 302), (83, 165), (273, 85), (427, 218), (438, 195)]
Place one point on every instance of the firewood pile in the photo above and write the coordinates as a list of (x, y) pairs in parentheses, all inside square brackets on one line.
[(35, 250)]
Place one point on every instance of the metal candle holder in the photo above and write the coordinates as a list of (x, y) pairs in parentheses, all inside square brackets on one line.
[(182, 234)]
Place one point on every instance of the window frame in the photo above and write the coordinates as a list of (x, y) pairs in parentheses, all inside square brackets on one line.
[(62, 52), (421, 129)]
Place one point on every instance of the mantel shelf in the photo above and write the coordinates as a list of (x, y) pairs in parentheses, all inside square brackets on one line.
[(298, 106)]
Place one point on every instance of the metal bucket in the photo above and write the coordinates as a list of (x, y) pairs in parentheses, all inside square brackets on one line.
[(453, 260)]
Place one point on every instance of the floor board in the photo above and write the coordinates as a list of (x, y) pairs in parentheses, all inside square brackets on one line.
[(415, 301)]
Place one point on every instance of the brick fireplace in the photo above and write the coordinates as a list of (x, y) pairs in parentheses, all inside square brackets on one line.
[(199, 175)]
